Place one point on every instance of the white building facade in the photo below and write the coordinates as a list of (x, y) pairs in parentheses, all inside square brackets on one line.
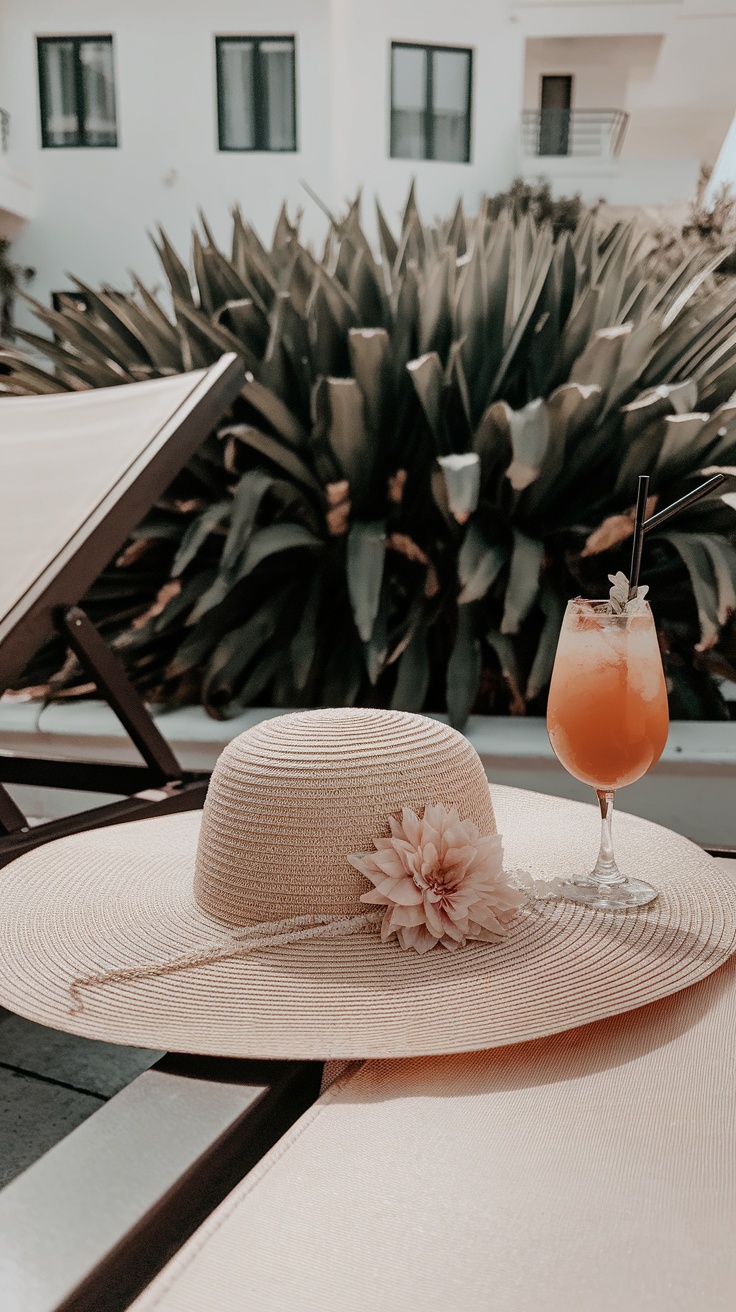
[(121, 115)]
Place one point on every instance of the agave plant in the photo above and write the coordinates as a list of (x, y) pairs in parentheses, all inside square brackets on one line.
[(435, 447)]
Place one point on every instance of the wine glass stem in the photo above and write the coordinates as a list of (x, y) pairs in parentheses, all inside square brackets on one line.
[(606, 871)]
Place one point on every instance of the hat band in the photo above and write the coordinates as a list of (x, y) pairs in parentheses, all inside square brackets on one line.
[(273, 934), (281, 933)]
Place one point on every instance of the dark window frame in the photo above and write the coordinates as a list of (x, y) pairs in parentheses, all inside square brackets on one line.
[(260, 120), (77, 42), (428, 112)]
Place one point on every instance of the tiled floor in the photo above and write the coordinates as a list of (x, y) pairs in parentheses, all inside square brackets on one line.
[(51, 1082)]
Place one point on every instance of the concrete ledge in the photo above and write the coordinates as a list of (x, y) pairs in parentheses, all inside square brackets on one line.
[(621, 180), (692, 789)]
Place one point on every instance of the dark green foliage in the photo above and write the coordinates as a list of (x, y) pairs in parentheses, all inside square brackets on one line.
[(535, 198), (435, 448)]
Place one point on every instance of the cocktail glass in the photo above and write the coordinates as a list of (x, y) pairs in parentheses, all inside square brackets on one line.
[(607, 721)]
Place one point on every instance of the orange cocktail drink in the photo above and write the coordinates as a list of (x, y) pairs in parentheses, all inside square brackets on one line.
[(607, 721), (607, 713)]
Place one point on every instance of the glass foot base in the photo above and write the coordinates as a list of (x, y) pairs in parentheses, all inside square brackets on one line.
[(609, 897)]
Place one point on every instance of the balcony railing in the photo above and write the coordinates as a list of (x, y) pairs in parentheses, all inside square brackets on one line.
[(4, 130), (596, 133)]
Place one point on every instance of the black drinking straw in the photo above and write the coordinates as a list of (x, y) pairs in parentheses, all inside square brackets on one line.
[(638, 543), (642, 525), (661, 516)]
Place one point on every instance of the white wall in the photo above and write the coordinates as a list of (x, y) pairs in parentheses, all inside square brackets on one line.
[(620, 182), (673, 65), (17, 201), (686, 108), (601, 67), (94, 206)]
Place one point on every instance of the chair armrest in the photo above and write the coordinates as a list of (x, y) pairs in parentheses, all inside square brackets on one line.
[(86, 1227)]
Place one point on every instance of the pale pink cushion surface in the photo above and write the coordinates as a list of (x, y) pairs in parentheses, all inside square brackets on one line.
[(594, 1171)]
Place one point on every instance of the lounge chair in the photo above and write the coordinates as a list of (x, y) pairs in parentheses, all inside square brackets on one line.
[(592, 1170), (79, 470)]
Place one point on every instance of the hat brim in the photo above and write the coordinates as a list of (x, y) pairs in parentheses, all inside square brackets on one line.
[(118, 898)]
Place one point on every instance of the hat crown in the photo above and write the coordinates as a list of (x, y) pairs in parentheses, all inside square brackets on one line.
[(291, 798)]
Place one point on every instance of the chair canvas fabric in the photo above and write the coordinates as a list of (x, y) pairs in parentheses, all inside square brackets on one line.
[(78, 472), (61, 455), (592, 1170)]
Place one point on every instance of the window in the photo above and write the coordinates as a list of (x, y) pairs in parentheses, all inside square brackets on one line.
[(256, 99), (430, 102), (77, 89), (554, 115)]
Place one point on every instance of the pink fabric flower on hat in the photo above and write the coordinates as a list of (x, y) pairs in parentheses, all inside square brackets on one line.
[(439, 881)]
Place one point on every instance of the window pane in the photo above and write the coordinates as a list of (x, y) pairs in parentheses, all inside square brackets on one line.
[(554, 118), (408, 102), (99, 93), (450, 78), (235, 76), (59, 95), (277, 72)]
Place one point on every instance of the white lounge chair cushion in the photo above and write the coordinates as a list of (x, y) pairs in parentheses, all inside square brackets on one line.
[(591, 1172)]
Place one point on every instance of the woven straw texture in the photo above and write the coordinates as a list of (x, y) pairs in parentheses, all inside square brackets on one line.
[(292, 796), (590, 1172), (121, 898)]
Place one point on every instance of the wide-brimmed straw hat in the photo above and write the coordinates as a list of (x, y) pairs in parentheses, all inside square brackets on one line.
[(260, 936)]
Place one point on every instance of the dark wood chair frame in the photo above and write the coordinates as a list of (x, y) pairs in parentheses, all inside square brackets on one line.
[(51, 606)]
